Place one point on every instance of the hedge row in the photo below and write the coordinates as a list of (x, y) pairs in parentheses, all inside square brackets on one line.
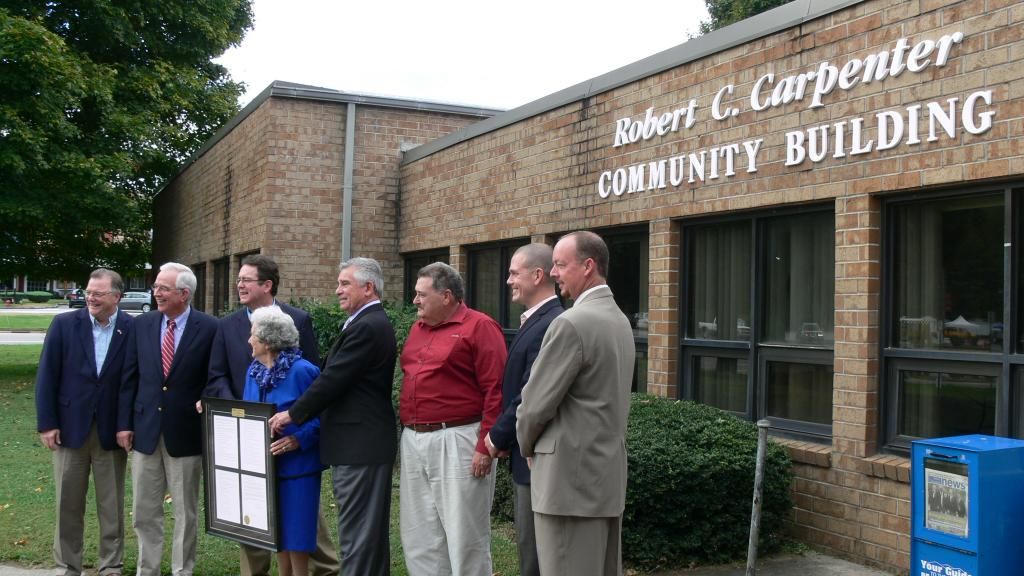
[(37, 296)]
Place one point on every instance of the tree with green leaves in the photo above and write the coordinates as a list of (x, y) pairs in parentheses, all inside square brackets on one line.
[(725, 12), (101, 102)]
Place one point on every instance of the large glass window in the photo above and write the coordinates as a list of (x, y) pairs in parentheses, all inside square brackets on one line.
[(629, 279), (799, 267), (413, 263), (720, 292), (199, 299), (487, 291), (948, 300), (760, 292), (721, 381), (948, 274), (221, 286)]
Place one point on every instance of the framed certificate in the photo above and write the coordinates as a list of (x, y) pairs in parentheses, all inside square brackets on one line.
[(241, 483)]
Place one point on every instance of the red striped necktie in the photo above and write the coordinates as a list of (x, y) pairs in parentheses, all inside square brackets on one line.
[(167, 347)]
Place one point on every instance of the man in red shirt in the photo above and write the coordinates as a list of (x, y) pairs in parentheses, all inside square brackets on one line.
[(452, 366)]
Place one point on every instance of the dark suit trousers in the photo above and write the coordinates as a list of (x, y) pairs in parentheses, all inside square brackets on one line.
[(526, 537), (363, 494)]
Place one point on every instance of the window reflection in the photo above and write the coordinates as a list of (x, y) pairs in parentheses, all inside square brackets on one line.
[(937, 404), (720, 282), (800, 392), (949, 274), (721, 382), (800, 280)]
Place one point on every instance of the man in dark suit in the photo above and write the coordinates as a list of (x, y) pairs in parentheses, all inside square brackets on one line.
[(164, 374), (76, 411), (572, 419), (258, 280), (358, 432), (531, 287)]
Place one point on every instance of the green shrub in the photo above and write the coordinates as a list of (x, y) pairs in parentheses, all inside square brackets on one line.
[(39, 297), (691, 479), (503, 507)]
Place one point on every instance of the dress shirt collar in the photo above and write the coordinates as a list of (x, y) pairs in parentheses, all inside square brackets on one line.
[(110, 321), (179, 321), (526, 315), (358, 312), (588, 291)]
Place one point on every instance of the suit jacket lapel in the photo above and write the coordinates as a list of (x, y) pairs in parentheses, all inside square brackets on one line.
[(116, 339), (186, 337), (531, 322), (85, 337), (341, 335)]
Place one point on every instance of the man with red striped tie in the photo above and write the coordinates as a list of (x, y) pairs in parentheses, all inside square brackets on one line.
[(165, 371)]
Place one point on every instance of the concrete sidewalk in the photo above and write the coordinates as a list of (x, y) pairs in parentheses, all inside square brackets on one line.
[(806, 564)]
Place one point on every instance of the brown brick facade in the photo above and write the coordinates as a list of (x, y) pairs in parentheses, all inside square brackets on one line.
[(537, 177), (273, 184)]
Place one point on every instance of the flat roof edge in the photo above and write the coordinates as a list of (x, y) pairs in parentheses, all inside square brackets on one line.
[(764, 24), (283, 89)]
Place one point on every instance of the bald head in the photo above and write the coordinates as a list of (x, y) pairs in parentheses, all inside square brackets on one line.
[(528, 275)]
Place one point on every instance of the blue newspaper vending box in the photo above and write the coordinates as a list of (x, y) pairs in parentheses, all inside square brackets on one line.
[(967, 494)]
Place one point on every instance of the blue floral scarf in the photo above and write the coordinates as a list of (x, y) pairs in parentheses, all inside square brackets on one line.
[(268, 378)]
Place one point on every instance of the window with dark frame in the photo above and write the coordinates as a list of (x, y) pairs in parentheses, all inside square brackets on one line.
[(413, 262), (221, 286), (486, 290), (199, 298), (948, 299), (628, 278), (758, 323)]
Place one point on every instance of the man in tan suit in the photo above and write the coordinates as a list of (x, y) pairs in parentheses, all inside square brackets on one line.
[(571, 424)]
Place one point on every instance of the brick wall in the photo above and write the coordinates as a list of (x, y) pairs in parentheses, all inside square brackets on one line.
[(538, 177), (274, 185)]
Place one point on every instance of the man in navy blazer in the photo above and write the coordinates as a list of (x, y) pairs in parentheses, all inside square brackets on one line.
[(358, 432), (258, 280), (76, 411), (531, 287), (165, 372)]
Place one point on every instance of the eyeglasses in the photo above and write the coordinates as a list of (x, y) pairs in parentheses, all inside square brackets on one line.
[(97, 293), (248, 280), (160, 288)]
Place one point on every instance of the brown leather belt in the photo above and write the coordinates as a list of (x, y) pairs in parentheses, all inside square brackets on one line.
[(434, 427)]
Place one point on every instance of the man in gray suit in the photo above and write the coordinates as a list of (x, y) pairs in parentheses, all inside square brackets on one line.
[(571, 424)]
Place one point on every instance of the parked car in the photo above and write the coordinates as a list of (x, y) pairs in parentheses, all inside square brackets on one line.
[(76, 298), (135, 301)]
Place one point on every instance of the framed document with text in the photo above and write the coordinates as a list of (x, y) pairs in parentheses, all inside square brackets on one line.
[(241, 484)]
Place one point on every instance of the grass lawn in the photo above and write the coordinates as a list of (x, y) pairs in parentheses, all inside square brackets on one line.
[(27, 493), (33, 322)]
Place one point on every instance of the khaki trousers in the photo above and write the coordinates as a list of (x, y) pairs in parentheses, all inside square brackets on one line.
[(445, 511), (71, 467), (153, 475), (579, 546)]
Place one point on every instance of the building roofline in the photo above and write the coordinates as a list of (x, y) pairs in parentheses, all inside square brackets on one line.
[(282, 89), (759, 26)]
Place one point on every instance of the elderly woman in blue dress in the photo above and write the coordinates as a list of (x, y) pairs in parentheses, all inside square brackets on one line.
[(279, 375)]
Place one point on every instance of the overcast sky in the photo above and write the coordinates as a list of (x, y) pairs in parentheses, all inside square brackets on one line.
[(491, 54)]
